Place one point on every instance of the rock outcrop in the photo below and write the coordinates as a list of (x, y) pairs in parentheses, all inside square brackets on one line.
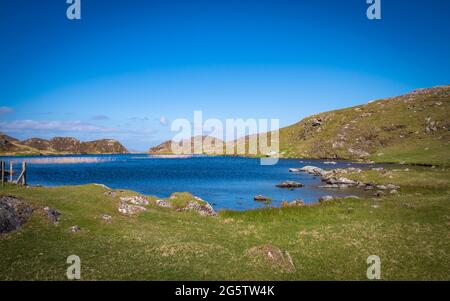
[(13, 213), (59, 145), (74, 146)]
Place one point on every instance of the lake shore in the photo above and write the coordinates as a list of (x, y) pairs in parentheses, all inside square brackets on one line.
[(404, 229)]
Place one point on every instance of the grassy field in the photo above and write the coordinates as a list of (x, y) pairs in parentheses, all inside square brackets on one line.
[(409, 231)]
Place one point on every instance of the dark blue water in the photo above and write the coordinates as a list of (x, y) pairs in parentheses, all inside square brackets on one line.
[(225, 182)]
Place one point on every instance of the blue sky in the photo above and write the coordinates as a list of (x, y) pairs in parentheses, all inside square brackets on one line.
[(128, 68)]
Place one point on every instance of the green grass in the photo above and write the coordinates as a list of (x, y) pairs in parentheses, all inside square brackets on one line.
[(385, 131), (409, 231)]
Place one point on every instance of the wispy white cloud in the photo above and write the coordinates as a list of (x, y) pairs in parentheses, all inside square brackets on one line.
[(163, 121), (5, 110), (100, 117), (54, 126)]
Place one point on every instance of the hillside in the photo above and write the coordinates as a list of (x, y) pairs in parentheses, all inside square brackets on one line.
[(412, 128), (166, 146), (58, 145)]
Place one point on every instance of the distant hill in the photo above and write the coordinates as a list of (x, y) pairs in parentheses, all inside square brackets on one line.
[(58, 145), (166, 147), (412, 128)]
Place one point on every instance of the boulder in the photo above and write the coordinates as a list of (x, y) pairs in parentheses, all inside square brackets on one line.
[(392, 187), (326, 198), (128, 209), (314, 171), (298, 203), (13, 213), (203, 208), (341, 181), (74, 229), (162, 203), (53, 215), (135, 200), (106, 217), (261, 198), (110, 193), (290, 184), (316, 122)]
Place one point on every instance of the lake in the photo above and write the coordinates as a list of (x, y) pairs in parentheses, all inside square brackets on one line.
[(225, 182)]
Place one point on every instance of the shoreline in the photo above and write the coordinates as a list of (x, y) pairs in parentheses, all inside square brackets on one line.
[(72, 219)]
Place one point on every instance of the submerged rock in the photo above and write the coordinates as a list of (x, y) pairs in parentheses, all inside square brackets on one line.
[(261, 198), (290, 184), (13, 213)]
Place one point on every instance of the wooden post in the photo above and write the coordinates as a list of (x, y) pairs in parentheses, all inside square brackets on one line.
[(24, 169), (3, 173), (10, 172)]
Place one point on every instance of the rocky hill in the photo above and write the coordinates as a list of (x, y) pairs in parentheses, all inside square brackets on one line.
[(209, 145), (58, 145), (412, 128)]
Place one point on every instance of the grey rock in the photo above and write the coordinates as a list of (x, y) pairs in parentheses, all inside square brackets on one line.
[(379, 193), (162, 203), (316, 122), (326, 198), (13, 213), (392, 186), (203, 208), (382, 187), (74, 229), (110, 193), (53, 215), (298, 203), (106, 217), (135, 200), (261, 198), (290, 184), (314, 171)]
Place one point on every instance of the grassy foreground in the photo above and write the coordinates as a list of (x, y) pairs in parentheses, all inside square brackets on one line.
[(409, 231)]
